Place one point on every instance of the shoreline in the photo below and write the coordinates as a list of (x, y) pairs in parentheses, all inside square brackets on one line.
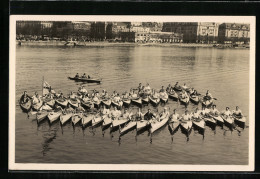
[(118, 44)]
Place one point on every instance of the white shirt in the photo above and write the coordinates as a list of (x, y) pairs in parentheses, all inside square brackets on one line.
[(227, 113), (175, 116), (186, 117), (196, 114), (116, 113), (106, 111)]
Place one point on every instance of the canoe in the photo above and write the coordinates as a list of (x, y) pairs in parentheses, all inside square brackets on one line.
[(137, 101), (186, 126), (88, 80), (37, 106), (126, 101), (207, 103), (177, 88), (107, 121), (158, 124), (199, 124), (97, 120), (106, 102), (73, 102), (86, 119), (129, 126), (184, 101), (210, 121), (145, 100), (118, 122), (194, 99), (76, 118), (49, 101), (219, 120), (154, 101), (65, 117), (53, 116), (241, 121), (62, 102), (41, 115), (26, 106), (173, 96), (173, 126), (142, 125), (228, 121)]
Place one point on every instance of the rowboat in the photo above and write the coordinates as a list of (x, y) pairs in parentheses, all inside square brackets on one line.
[(199, 124), (118, 122), (129, 126), (164, 97), (53, 116), (158, 124), (97, 120), (194, 99), (240, 121), (137, 101), (218, 119), (207, 103), (65, 117), (173, 126), (228, 121), (154, 101), (173, 96), (107, 102), (86, 119), (140, 125), (62, 102), (49, 101), (210, 121), (145, 99), (184, 101), (37, 106), (73, 102), (76, 118), (186, 126), (87, 80), (26, 106), (41, 115), (106, 122), (177, 88)]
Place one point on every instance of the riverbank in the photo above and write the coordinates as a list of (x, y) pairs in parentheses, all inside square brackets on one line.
[(107, 44)]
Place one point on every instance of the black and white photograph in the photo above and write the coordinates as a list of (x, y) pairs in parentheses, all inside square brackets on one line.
[(141, 93)]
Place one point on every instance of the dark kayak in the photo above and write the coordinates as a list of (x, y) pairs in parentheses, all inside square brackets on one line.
[(88, 80)]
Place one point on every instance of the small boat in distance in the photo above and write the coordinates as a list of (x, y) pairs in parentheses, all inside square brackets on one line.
[(87, 80)]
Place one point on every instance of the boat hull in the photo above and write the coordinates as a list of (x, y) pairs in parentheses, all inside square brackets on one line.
[(40, 116), (26, 106), (65, 118)]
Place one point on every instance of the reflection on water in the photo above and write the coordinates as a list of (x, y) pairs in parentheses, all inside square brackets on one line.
[(224, 72)]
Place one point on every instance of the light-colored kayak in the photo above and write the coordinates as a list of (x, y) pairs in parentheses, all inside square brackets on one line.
[(65, 117), (228, 120), (85, 120), (49, 101), (137, 101), (62, 102), (41, 115), (207, 103), (142, 124), (218, 119), (97, 103), (118, 122), (194, 99), (73, 102), (240, 119), (173, 96), (126, 101), (155, 125), (107, 102), (186, 125), (107, 121), (53, 116), (184, 101), (87, 104), (200, 124), (76, 118), (127, 127), (174, 126), (210, 121), (145, 100), (37, 106), (117, 104), (97, 120), (154, 101), (164, 97)]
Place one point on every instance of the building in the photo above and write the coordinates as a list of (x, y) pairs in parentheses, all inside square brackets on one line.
[(46, 24), (98, 31), (155, 37), (233, 33), (207, 32)]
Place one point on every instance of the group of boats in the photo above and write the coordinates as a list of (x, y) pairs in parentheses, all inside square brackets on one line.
[(79, 107)]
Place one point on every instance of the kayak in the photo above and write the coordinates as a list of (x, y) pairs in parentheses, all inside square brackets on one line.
[(240, 121), (87, 104), (199, 124), (41, 115), (107, 121), (158, 124), (62, 102), (86, 119), (173, 96), (137, 101), (164, 97), (76, 118), (118, 122), (173, 126), (88, 80), (65, 117), (117, 104), (177, 88), (184, 101), (210, 121), (228, 121), (97, 120), (145, 100), (154, 101), (207, 103), (97, 104), (107, 102), (126, 101), (73, 102), (186, 126), (129, 126), (53, 116), (194, 99), (26, 106), (142, 125), (49, 101), (219, 120), (37, 106)]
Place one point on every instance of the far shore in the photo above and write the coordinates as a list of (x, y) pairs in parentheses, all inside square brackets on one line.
[(107, 44)]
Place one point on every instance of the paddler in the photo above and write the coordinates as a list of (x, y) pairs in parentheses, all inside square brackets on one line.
[(214, 110), (84, 76), (204, 111), (174, 116), (45, 107), (184, 86), (149, 115), (177, 85), (226, 113), (83, 90), (103, 93), (183, 94), (126, 114), (106, 95), (77, 75), (80, 108), (61, 96), (164, 113), (105, 111), (237, 113), (196, 115), (95, 98), (36, 98), (25, 97), (186, 116), (139, 115), (162, 90), (115, 113), (191, 91), (169, 88), (114, 94), (69, 109), (117, 98), (208, 96), (140, 87)]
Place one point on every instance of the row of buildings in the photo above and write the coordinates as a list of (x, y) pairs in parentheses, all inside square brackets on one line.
[(142, 32)]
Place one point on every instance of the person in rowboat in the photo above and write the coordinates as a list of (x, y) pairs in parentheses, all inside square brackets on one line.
[(186, 116), (36, 98), (77, 75), (156, 94), (84, 76), (208, 96), (237, 113), (139, 115), (183, 94), (149, 115), (169, 88), (214, 111), (89, 77), (196, 115), (227, 112), (45, 107), (174, 115), (162, 90), (25, 97), (164, 113), (204, 111)]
